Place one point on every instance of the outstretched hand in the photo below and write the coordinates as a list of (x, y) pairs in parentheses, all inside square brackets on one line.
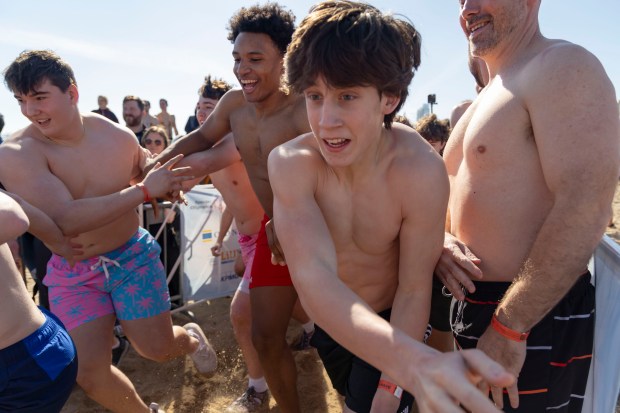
[(165, 181), (445, 380), (277, 255), (457, 266)]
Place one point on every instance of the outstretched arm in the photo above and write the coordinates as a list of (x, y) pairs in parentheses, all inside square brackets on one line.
[(438, 381)]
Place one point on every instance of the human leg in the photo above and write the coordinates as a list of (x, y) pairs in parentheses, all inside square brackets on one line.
[(271, 312), (101, 381)]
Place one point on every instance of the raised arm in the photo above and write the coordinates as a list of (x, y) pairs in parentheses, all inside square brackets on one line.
[(434, 378)]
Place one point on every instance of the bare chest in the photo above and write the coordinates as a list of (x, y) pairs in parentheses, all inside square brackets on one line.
[(92, 169), (362, 221)]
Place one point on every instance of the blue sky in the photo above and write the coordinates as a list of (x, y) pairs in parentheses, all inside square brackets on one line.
[(163, 49)]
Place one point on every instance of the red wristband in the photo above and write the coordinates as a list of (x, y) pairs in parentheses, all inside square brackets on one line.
[(507, 332), (147, 196), (391, 388)]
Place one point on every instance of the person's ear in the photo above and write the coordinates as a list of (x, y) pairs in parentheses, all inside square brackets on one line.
[(390, 104), (74, 95)]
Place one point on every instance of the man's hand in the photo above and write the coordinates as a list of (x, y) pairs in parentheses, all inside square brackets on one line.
[(164, 181), (457, 266), (508, 353), (216, 249), (66, 248), (445, 380), (384, 402), (277, 255)]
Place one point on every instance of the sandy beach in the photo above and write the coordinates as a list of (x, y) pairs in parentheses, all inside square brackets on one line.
[(179, 389)]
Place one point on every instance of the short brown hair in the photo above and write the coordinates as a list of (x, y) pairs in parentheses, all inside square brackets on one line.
[(352, 44), (132, 98), (32, 67)]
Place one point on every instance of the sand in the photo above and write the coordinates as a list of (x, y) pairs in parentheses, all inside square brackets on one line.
[(178, 388)]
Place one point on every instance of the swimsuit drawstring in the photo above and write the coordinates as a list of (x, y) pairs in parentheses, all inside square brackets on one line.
[(102, 262)]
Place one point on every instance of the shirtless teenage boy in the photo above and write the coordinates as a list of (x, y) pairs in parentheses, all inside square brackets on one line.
[(261, 116), (359, 207), (79, 172), (224, 166), (533, 165)]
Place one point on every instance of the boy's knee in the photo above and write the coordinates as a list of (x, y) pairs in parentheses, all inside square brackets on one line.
[(240, 317), (156, 350)]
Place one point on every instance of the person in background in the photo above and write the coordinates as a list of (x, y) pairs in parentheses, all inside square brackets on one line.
[(435, 131), (167, 119), (103, 110), (155, 139), (133, 111), (148, 120)]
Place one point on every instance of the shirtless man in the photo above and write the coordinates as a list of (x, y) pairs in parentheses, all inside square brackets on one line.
[(533, 165), (79, 172), (38, 358), (167, 119), (261, 116), (359, 206), (224, 166)]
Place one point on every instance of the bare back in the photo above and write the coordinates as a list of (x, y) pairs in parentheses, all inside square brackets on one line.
[(51, 175), (19, 316)]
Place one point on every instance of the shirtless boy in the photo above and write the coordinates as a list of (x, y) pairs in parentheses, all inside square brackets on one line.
[(38, 358), (224, 166), (261, 116), (533, 165), (359, 207), (80, 171)]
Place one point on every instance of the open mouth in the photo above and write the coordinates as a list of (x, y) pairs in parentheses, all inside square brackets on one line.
[(248, 85), (336, 143)]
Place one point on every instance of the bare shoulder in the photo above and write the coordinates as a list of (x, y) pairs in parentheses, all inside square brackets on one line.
[(302, 147), (558, 62), (414, 162), (25, 144)]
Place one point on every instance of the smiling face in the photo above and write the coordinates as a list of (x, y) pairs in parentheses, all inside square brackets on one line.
[(258, 65), (132, 114), (347, 122), (488, 23), (48, 108)]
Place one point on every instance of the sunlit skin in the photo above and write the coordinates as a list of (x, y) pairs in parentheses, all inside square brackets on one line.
[(258, 65), (346, 121)]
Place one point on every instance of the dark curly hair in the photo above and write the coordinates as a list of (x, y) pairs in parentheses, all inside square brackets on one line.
[(433, 129), (354, 44), (270, 19), (32, 67), (213, 88)]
